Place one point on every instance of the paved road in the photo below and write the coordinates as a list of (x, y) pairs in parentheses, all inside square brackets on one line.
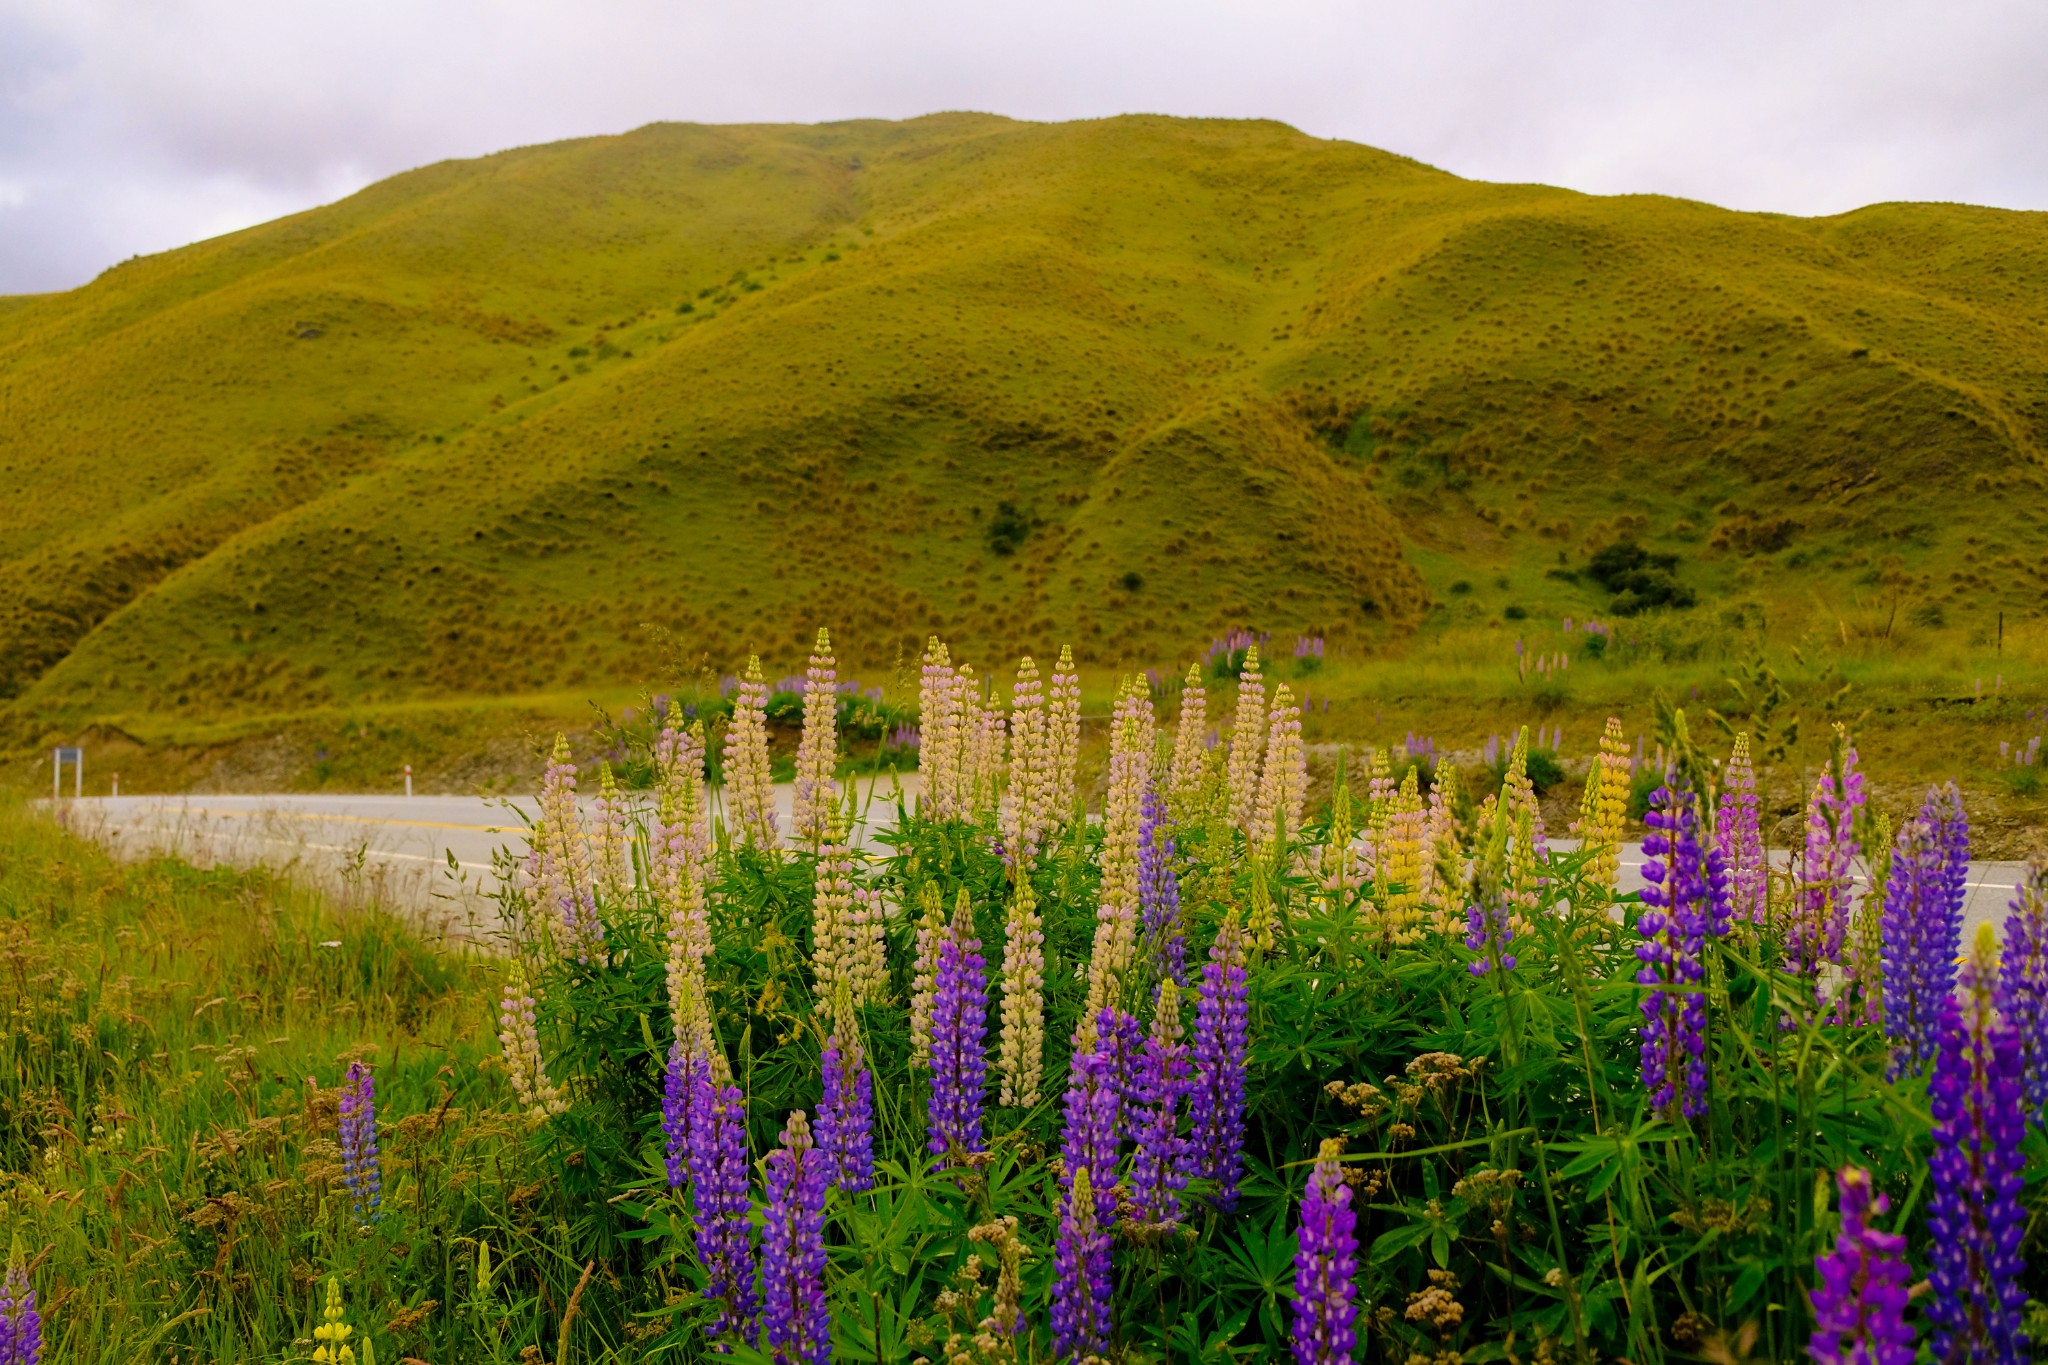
[(429, 851)]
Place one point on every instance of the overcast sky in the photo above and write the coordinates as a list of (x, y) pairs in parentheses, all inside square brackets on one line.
[(130, 126)]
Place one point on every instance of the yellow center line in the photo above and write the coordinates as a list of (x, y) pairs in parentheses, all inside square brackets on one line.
[(347, 819)]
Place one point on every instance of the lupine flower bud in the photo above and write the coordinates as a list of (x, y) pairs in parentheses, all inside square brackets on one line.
[(749, 784), (1603, 811), (938, 734), (1020, 1062), (1974, 1216), (1324, 1266), (613, 872), (793, 1250), (817, 750), (1063, 728), (1859, 1300), (521, 1042), (1247, 741), (362, 1170)]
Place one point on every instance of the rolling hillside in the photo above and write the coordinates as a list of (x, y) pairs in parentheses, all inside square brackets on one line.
[(546, 418)]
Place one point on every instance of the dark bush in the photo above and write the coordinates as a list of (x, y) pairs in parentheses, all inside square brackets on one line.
[(1638, 579), (1007, 529)]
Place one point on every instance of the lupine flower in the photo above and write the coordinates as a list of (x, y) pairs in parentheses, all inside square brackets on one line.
[(1092, 1116), (867, 967), (679, 852), (749, 785), (1027, 801), (1397, 861), (613, 872), (846, 1116), (1820, 916), (924, 972), (2023, 985), (678, 1108), (831, 907), (938, 753), (718, 1184), (1325, 1313), (331, 1336), (1158, 1161), (1528, 849), (1443, 848), (1117, 905), (793, 1250), (1063, 729), (560, 863), (1081, 1268), (1247, 741), (1738, 832), (1007, 1319), (959, 1023), (21, 1326), (1684, 885), (1866, 925), (1923, 927), (817, 749), (1190, 754), (538, 1096), (983, 777), (1159, 895), (1488, 932), (1974, 1217), (1283, 775), (361, 1169), (1603, 809), (1859, 1300), (1020, 1058), (1215, 1148)]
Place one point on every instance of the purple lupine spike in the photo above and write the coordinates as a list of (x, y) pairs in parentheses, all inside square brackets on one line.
[(1093, 1115), (1859, 1298), (678, 1109), (2023, 985), (959, 1058), (1325, 1264), (21, 1326), (1974, 1217), (1923, 927), (719, 1187), (793, 1250), (1738, 834), (1820, 917), (846, 1117), (1215, 1148), (1159, 895), (1158, 1159), (1081, 1270), (361, 1170), (1678, 895), (1488, 931)]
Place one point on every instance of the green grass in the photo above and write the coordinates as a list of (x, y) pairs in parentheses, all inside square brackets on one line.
[(450, 444)]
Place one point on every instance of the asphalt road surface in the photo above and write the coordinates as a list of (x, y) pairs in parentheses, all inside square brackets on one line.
[(438, 851)]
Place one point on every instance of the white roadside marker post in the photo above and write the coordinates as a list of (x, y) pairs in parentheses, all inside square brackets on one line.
[(408, 780), (117, 785)]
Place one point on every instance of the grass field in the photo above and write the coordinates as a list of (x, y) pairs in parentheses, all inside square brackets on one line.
[(489, 438)]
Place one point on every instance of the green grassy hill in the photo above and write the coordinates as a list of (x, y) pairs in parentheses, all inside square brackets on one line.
[(472, 432)]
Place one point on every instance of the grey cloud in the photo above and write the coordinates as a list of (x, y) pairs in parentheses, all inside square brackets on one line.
[(128, 126)]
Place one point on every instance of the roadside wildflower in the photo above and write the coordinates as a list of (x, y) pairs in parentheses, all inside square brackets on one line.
[(1738, 832), (1603, 811), (1247, 741), (718, 1184), (1283, 779), (2023, 985), (846, 1115), (560, 862), (793, 1250), (1081, 1268), (613, 871), (1683, 884), (959, 1023), (1165, 939), (924, 972), (749, 788), (1190, 745), (1397, 860), (1117, 906), (1488, 932), (1020, 1058), (1063, 731), (832, 895), (331, 1336), (1820, 912), (520, 1040), (1216, 1105), (1443, 849), (1859, 1300), (1325, 1265), (678, 1109), (1163, 1079), (1974, 1216), (1027, 799), (1092, 1115), (938, 734), (817, 750), (679, 848), (21, 1325), (362, 1170), (1523, 815), (1923, 927)]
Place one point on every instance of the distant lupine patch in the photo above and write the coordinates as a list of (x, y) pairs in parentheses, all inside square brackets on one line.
[(362, 1169)]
